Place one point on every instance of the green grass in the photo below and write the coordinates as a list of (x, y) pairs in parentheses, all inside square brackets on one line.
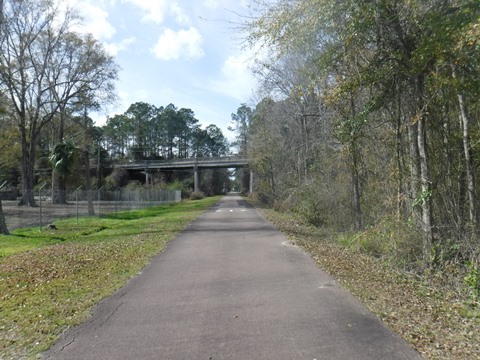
[(50, 279)]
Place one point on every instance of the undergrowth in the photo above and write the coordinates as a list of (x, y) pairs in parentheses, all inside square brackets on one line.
[(437, 310)]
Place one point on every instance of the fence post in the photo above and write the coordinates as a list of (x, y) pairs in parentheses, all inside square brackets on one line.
[(116, 198), (40, 203), (76, 199), (99, 190)]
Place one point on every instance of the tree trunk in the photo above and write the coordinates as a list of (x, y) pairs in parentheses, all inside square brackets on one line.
[(399, 157), (53, 198), (88, 182), (62, 190), (27, 170), (99, 169), (357, 208), (426, 202), (355, 154), (3, 224), (469, 168), (425, 186), (414, 166), (59, 195), (59, 184)]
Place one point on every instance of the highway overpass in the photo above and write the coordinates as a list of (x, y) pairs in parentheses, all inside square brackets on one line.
[(196, 164)]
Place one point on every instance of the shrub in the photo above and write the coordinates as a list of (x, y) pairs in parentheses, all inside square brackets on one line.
[(182, 186), (472, 281), (118, 178), (197, 195), (391, 240)]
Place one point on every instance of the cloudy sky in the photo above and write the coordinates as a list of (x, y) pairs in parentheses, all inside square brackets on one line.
[(185, 52)]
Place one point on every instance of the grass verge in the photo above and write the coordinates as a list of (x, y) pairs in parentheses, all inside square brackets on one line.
[(431, 315), (49, 280)]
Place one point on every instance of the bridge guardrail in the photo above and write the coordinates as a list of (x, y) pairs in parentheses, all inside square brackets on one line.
[(187, 162)]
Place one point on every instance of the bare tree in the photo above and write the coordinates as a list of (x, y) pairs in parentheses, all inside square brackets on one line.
[(81, 76), (3, 224), (30, 34)]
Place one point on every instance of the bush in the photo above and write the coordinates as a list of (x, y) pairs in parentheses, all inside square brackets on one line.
[(179, 185), (391, 240), (133, 185), (472, 281), (263, 198), (197, 195), (118, 178)]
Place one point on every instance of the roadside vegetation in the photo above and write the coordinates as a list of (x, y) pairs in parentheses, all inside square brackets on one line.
[(432, 312), (367, 129), (49, 280)]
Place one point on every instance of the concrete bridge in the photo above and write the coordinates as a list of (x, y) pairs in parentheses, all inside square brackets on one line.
[(196, 164)]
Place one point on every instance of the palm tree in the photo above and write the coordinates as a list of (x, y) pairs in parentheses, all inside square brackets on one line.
[(62, 158)]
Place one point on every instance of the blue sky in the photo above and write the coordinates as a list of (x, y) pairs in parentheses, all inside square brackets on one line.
[(185, 52)]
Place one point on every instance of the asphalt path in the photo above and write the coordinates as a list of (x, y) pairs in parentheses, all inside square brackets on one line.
[(231, 287)]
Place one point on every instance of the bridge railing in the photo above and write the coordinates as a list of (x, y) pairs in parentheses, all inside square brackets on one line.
[(189, 161)]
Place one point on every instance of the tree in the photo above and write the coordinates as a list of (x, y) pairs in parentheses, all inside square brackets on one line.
[(44, 70), (30, 33), (216, 141), (171, 125), (3, 224), (240, 124), (117, 132), (81, 77), (140, 116), (62, 158), (398, 78), (187, 125)]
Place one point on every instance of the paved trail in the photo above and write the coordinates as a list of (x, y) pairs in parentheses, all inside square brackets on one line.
[(231, 287)]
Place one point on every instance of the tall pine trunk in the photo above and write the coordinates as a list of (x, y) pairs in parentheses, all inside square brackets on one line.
[(424, 199), (467, 157), (469, 169), (355, 159), (357, 207)]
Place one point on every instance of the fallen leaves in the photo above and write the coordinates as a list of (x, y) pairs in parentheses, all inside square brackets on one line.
[(428, 313), (49, 288)]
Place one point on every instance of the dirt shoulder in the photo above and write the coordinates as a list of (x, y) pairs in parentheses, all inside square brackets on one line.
[(432, 317)]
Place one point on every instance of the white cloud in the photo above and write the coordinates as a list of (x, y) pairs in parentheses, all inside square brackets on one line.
[(180, 15), (95, 20), (213, 4), (237, 80), (156, 10), (114, 48), (227, 4), (174, 45)]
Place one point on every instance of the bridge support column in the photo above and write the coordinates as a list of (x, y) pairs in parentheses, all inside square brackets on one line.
[(251, 182), (196, 178), (147, 177)]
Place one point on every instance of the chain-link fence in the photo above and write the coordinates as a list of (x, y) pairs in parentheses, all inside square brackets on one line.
[(80, 203)]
